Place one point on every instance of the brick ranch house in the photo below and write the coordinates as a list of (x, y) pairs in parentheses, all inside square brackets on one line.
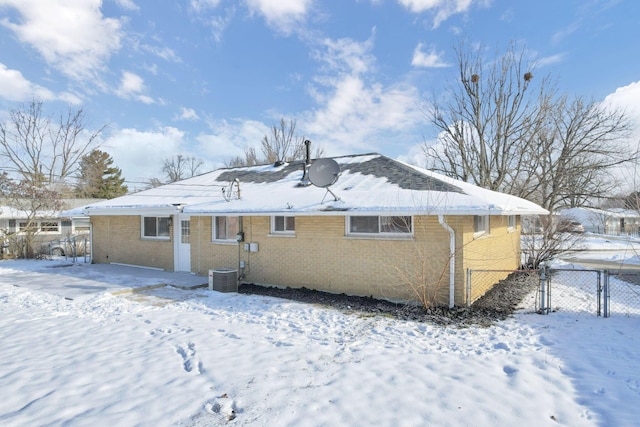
[(383, 228)]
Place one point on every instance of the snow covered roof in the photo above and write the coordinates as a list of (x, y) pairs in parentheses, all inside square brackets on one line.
[(370, 184), (585, 214), (74, 206)]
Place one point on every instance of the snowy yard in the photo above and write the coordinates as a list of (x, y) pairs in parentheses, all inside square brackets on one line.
[(73, 353)]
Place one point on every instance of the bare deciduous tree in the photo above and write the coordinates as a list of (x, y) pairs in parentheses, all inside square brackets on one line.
[(180, 167), (499, 132), (30, 200), (250, 159), (487, 119), (282, 145), (574, 153), (40, 154), (42, 150)]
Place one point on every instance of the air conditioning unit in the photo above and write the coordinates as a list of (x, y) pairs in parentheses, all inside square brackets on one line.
[(223, 280)]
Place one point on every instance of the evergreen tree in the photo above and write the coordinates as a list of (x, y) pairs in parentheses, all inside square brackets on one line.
[(98, 178)]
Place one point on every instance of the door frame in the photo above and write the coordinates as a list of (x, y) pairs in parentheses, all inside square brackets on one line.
[(182, 251)]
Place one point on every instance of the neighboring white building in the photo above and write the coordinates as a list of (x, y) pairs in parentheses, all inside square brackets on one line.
[(50, 226), (606, 221)]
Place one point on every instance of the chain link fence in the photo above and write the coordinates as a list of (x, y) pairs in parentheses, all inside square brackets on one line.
[(624, 292), (596, 292)]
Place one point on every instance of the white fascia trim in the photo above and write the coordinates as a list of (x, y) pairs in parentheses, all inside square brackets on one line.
[(366, 212), (135, 211)]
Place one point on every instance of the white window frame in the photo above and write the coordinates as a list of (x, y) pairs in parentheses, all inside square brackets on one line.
[(157, 236), (380, 233), (511, 222), (288, 225), (37, 226), (84, 228), (481, 225), (231, 237)]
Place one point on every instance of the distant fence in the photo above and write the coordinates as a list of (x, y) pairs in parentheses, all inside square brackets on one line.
[(598, 292), (76, 248)]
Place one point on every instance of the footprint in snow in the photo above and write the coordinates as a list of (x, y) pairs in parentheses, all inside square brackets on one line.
[(187, 354), (509, 370), (222, 405)]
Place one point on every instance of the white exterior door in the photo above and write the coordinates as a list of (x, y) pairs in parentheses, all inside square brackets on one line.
[(183, 244)]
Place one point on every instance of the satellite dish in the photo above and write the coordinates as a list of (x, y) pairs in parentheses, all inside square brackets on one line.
[(324, 172)]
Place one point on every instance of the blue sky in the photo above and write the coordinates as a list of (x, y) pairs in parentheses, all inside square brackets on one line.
[(208, 78)]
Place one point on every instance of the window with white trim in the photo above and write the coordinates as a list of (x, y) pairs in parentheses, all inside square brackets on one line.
[(225, 228), (283, 225), (81, 228), (155, 227), (511, 222), (380, 225), (44, 227), (480, 225)]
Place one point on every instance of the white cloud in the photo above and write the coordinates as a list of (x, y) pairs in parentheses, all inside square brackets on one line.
[(15, 87), (441, 9), (227, 140), (346, 55), (432, 59), (627, 98), (140, 154), (165, 53), (200, 5), (218, 24), (132, 87), (550, 60), (71, 35), (355, 112), (127, 5), (187, 114), (283, 15)]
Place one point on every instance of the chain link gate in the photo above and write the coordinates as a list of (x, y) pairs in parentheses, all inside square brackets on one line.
[(573, 290)]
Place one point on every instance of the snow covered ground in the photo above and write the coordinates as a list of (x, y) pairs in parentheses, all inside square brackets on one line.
[(73, 353)]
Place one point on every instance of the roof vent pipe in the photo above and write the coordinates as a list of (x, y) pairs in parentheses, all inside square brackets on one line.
[(304, 182), (307, 144)]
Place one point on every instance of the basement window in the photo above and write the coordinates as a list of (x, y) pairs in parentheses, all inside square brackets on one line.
[(155, 227), (383, 226)]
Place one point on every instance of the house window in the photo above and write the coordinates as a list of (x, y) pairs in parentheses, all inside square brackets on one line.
[(480, 225), (22, 226), (155, 227), (81, 229), (380, 225), (226, 228), (511, 222), (50, 227), (185, 231), (283, 225)]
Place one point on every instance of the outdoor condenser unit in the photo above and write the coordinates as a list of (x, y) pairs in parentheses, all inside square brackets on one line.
[(223, 280)]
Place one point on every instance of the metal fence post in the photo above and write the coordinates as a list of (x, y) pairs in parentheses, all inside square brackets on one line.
[(543, 290), (599, 291), (606, 294), (468, 287)]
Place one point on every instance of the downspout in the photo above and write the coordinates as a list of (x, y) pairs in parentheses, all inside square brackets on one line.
[(452, 259)]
